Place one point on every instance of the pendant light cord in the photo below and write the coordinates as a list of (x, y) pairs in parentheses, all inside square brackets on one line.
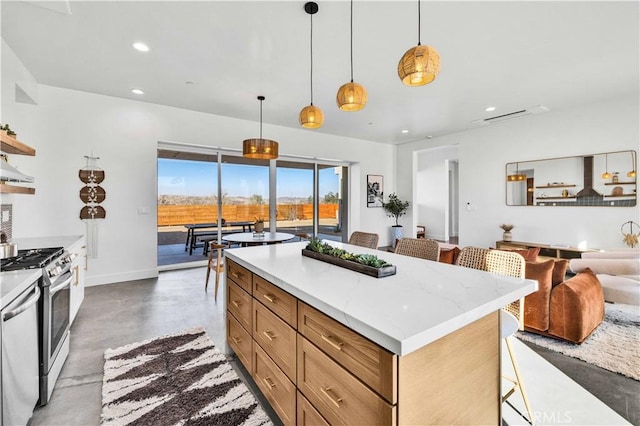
[(260, 119), (418, 22), (311, 50), (351, 41)]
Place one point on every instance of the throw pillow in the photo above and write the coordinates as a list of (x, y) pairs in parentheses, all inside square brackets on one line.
[(536, 305), (559, 271), (449, 256), (530, 254)]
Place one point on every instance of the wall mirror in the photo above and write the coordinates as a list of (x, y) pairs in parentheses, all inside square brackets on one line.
[(604, 179)]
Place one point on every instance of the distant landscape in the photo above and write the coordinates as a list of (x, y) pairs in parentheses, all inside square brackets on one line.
[(177, 200)]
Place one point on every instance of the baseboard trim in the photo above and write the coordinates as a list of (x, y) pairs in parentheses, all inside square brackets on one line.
[(120, 277)]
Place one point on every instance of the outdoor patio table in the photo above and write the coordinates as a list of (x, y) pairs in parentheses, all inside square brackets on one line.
[(190, 243)]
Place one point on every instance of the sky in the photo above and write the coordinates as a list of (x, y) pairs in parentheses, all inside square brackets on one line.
[(199, 178)]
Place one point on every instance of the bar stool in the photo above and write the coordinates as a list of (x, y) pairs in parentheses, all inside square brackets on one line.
[(214, 263)]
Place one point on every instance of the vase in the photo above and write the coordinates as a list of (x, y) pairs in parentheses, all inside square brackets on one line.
[(506, 236), (259, 227), (396, 234)]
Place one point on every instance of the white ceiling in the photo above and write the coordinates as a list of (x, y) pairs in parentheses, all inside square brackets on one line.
[(509, 54)]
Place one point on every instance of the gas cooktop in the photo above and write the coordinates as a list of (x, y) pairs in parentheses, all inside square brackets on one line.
[(30, 259)]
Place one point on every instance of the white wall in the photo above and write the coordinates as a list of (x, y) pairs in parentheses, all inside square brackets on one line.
[(483, 153), (432, 190), (66, 125)]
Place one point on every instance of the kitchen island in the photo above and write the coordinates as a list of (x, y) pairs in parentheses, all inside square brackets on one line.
[(324, 343)]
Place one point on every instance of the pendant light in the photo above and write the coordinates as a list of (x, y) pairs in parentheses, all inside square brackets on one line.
[(262, 149), (311, 116), (632, 173), (351, 96), (517, 177), (606, 175), (419, 65)]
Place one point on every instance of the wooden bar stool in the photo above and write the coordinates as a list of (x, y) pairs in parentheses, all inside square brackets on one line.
[(215, 263)]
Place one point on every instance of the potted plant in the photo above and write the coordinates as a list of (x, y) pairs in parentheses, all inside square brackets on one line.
[(259, 225), (395, 208)]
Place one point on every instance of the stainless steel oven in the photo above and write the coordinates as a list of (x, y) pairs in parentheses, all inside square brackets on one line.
[(54, 322)]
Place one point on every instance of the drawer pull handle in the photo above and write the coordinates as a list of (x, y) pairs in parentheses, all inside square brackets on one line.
[(269, 382), (235, 275), (234, 303), (270, 297), (236, 340), (336, 401), (331, 340), (269, 335)]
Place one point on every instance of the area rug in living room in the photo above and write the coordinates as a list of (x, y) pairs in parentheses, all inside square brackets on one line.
[(175, 379), (614, 345)]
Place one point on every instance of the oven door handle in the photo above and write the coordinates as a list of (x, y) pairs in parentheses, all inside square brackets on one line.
[(26, 305), (57, 288)]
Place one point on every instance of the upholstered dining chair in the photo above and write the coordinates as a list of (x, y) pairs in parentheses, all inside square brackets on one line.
[(511, 316), (215, 263), (419, 247), (364, 239)]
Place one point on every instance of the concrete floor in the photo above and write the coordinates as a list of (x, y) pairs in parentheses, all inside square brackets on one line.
[(118, 314)]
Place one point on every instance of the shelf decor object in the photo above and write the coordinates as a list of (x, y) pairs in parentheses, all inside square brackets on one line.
[(92, 194), (506, 235), (311, 116), (419, 65), (261, 149), (351, 96)]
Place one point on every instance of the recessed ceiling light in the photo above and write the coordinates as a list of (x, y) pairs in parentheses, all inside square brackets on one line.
[(140, 46), (429, 137), (489, 109), (137, 91), (189, 83), (405, 131)]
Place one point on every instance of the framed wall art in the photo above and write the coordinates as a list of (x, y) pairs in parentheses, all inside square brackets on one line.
[(375, 190)]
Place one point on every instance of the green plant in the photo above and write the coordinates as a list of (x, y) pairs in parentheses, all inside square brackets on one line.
[(315, 244), (395, 207)]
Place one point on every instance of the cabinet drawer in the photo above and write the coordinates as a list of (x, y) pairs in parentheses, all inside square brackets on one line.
[(275, 386), (239, 304), (335, 393), (276, 338), (372, 364), (307, 415), (240, 341), (279, 301), (239, 275)]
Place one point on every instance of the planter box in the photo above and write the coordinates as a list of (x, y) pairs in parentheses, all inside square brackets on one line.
[(354, 266)]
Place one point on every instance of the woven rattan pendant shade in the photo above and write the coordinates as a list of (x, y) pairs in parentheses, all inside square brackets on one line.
[(420, 65), (259, 148), (311, 117), (351, 97)]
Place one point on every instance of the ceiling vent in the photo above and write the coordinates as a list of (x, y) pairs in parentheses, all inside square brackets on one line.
[(511, 115)]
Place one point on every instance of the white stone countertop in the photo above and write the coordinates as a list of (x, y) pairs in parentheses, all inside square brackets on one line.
[(13, 283), (421, 303)]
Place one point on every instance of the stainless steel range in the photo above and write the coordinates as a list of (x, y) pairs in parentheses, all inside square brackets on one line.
[(53, 309)]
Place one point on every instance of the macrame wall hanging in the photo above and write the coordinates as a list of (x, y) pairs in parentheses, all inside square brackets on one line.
[(92, 194)]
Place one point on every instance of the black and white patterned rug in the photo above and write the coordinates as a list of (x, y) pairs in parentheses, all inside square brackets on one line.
[(176, 379)]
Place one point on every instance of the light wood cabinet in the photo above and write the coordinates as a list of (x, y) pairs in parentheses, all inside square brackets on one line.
[(314, 370)]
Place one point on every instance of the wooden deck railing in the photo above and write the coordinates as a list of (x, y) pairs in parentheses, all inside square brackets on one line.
[(183, 214)]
